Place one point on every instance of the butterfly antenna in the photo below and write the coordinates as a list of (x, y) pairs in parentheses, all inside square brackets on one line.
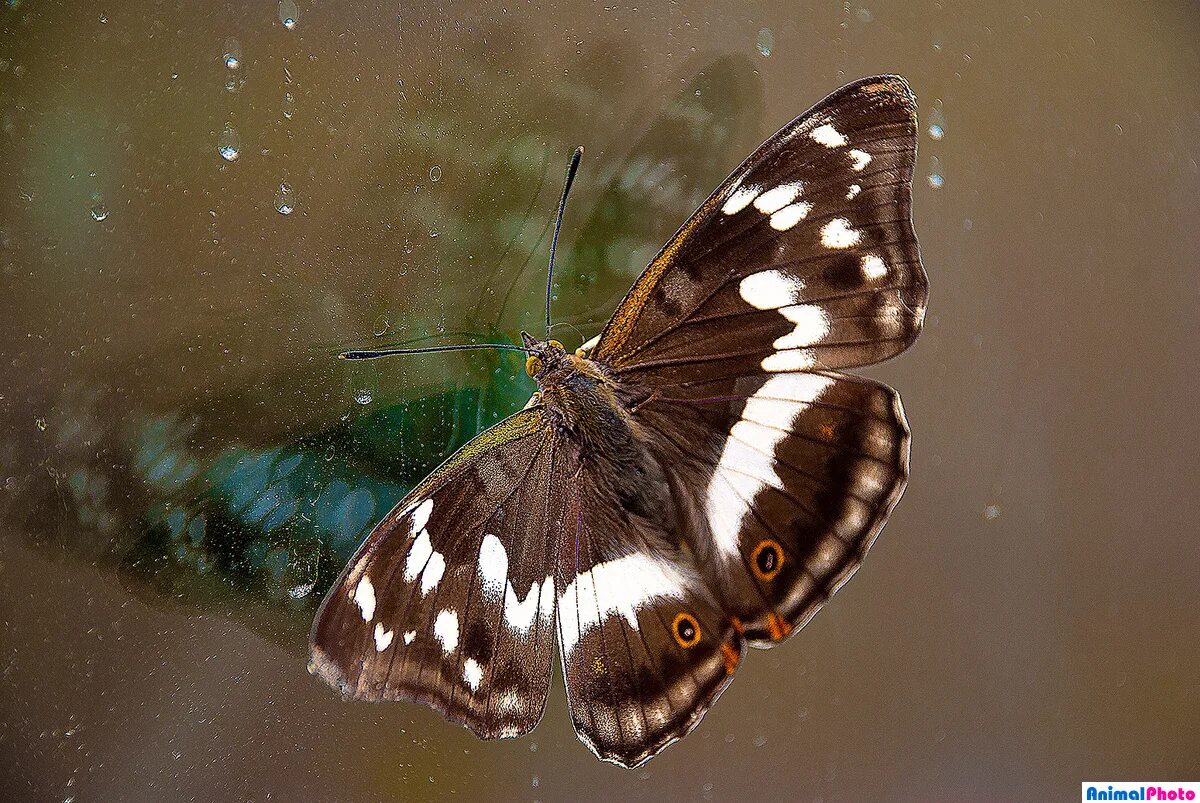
[(371, 355), (562, 205)]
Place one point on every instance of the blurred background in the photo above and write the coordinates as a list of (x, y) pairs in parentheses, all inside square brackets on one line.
[(200, 204)]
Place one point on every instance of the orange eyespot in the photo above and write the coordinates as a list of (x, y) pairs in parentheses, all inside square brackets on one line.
[(767, 559), (533, 365), (686, 630)]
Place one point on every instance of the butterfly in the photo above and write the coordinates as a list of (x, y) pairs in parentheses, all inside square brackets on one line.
[(696, 480)]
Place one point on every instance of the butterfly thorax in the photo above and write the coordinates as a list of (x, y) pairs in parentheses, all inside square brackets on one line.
[(590, 410)]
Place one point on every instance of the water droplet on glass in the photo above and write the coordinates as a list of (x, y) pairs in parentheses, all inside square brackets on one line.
[(363, 396), (435, 173), (765, 41), (285, 199), (408, 247), (433, 232), (233, 54), (382, 324), (864, 15), (233, 84), (991, 512), (937, 123), (228, 144), (936, 179), (288, 13), (40, 423), (99, 211), (289, 105)]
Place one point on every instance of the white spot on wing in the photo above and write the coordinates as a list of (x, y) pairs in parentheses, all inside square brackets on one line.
[(421, 515), (838, 233), (383, 638), (364, 596), (616, 587), (860, 159), (853, 192), (422, 558), (510, 702), (740, 199), (791, 360), (770, 289), (828, 136), (445, 629), (747, 462), (493, 567), (873, 267), (520, 613), (777, 198), (472, 673), (789, 216), (409, 635), (812, 324), (418, 556), (433, 573)]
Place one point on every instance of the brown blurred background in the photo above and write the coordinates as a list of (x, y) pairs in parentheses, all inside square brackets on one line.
[(1027, 620)]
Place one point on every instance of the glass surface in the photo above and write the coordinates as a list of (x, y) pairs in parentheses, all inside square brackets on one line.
[(200, 204)]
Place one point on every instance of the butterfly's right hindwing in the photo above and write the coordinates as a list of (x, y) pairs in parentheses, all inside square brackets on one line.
[(785, 480), (450, 600)]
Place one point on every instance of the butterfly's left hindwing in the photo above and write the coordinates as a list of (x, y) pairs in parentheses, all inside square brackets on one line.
[(645, 643), (450, 600)]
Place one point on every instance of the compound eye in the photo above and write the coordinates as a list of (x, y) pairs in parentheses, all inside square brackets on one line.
[(686, 630), (533, 365), (767, 559)]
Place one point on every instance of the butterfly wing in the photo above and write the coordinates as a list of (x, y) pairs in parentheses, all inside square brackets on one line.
[(805, 257), (802, 261), (785, 480), (645, 644), (450, 600)]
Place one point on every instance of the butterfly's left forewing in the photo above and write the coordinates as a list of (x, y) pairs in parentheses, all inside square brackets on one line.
[(450, 600)]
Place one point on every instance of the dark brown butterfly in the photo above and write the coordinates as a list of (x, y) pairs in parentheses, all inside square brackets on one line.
[(697, 479)]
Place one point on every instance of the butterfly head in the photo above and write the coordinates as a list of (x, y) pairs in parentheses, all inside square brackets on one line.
[(547, 358)]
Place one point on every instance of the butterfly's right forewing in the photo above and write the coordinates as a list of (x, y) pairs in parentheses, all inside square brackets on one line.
[(804, 258)]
